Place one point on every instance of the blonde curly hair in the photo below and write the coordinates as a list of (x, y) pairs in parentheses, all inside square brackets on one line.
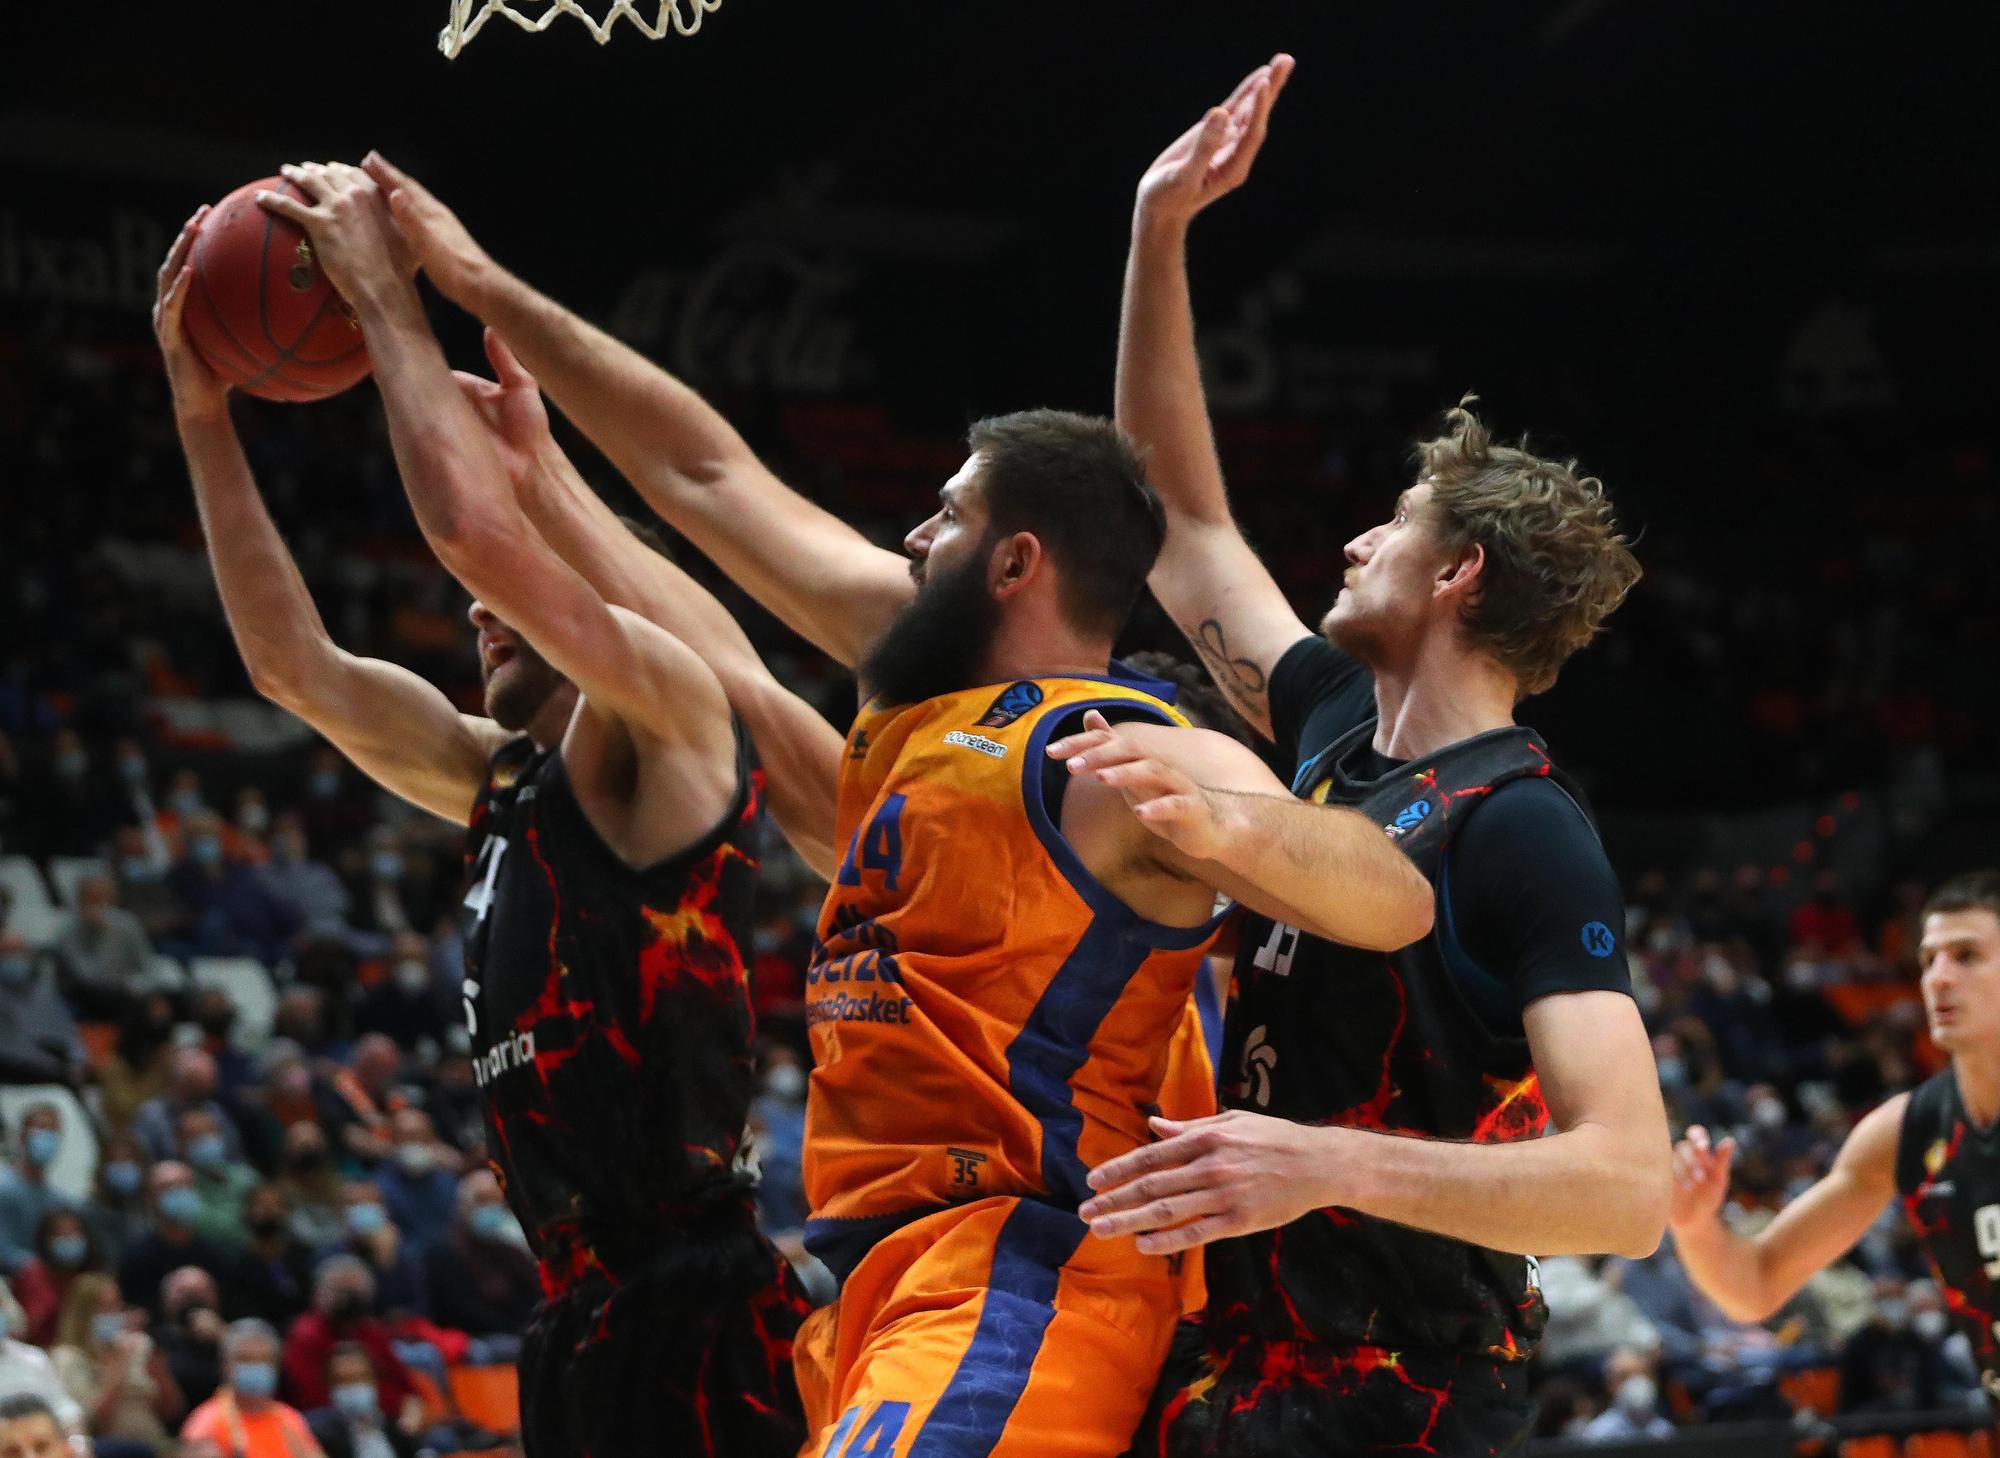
[(1556, 564)]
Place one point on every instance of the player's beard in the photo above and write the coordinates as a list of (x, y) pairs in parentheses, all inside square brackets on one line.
[(937, 643), (516, 691)]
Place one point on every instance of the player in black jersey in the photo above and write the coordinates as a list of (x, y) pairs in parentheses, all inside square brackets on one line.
[(1375, 1190), (611, 800), (1935, 1150)]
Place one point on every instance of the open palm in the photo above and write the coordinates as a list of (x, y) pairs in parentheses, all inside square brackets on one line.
[(1214, 156)]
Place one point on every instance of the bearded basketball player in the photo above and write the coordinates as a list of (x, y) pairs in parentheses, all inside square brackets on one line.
[(1377, 1186), (611, 810), (1935, 1150), (1005, 955)]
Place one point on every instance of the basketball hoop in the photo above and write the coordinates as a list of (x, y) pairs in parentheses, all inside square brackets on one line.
[(682, 17)]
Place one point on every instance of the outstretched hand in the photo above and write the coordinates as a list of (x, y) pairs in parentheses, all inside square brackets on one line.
[(1701, 1178), (194, 383), (1213, 157), (510, 406), (444, 247)]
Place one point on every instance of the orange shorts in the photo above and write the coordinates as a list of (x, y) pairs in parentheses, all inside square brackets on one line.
[(996, 1329)]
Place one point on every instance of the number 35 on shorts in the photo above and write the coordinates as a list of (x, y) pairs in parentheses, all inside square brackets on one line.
[(874, 1437)]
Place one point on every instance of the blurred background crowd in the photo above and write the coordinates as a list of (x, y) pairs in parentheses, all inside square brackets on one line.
[(243, 1181)]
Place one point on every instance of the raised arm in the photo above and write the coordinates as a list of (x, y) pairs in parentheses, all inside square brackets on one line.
[(626, 667), (1751, 1276), (401, 731), (1208, 578), (821, 577), (799, 750)]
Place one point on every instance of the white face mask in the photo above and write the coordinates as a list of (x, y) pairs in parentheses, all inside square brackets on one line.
[(1930, 1325), (413, 977), (1637, 1394)]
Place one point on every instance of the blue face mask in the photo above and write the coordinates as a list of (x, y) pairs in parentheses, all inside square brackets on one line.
[(41, 1146), (68, 1251), (106, 1327), (208, 1154), (122, 1177), (70, 764), (180, 1205), (139, 869), (17, 969), (185, 802), (357, 1401), (254, 1379), (324, 784), (490, 1222), (132, 770), (207, 850), (366, 1219), (388, 865)]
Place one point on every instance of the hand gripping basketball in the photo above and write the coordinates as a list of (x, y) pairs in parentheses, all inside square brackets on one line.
[(343, 211), (195, 384)]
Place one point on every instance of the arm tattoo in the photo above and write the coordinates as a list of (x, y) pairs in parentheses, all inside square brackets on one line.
[(1239, 678)]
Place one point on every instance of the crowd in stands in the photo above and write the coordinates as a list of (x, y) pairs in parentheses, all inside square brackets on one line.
[(241, 965)]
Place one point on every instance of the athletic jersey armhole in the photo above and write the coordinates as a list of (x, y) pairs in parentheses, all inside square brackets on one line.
[(709, 842), (1925, 1120), (1045, 818)]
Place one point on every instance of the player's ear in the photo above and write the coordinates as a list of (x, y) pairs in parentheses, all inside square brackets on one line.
[(1460, 576), (1016, 561)]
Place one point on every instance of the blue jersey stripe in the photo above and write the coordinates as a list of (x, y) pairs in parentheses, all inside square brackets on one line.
[(1028, 1257)]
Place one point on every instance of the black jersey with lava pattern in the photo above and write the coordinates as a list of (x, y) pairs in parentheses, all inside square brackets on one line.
[(611, 1017), (1948, 1174)]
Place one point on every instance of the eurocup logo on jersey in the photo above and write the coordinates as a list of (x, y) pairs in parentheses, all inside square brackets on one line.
[(1014, 701)]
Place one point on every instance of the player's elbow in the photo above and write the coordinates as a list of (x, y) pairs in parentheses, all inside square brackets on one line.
[(1642, 1211)]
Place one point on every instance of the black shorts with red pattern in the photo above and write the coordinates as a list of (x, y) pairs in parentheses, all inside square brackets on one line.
[(1303, 1400), (689, 1352)]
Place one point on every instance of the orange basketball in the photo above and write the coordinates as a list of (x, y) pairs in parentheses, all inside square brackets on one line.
[(261, 311)]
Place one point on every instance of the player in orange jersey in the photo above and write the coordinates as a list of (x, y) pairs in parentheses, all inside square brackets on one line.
[(1006, 952)]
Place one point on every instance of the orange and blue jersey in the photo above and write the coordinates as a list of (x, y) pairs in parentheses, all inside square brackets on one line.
[(988, 1023), (986, 1018)]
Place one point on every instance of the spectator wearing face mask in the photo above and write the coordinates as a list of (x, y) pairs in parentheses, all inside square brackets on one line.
[(311, 1186), (334, 804), (64, 1254), (140, 864), (214, 1012), (366, 1099), (285, 1092), (245, 1419), (232, 910), (778, 1121), (344, 1311), (70, 805), (407, 1006), (483, 1279), (139, 1067), (189, 1331), (25, 1370), (308, 885), (174, 1240), (1634, 1414), (106, 957), (250, 819), (220, 1183), (116, 1211), (419, 1183), (115, 1371), (26, 1196), (353, 1424), (392, 1260), (192, 1083), (1894, 1363), (39, 1042), (273, 1280)]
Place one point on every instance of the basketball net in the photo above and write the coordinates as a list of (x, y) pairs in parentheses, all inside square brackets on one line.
[(468, 17)]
